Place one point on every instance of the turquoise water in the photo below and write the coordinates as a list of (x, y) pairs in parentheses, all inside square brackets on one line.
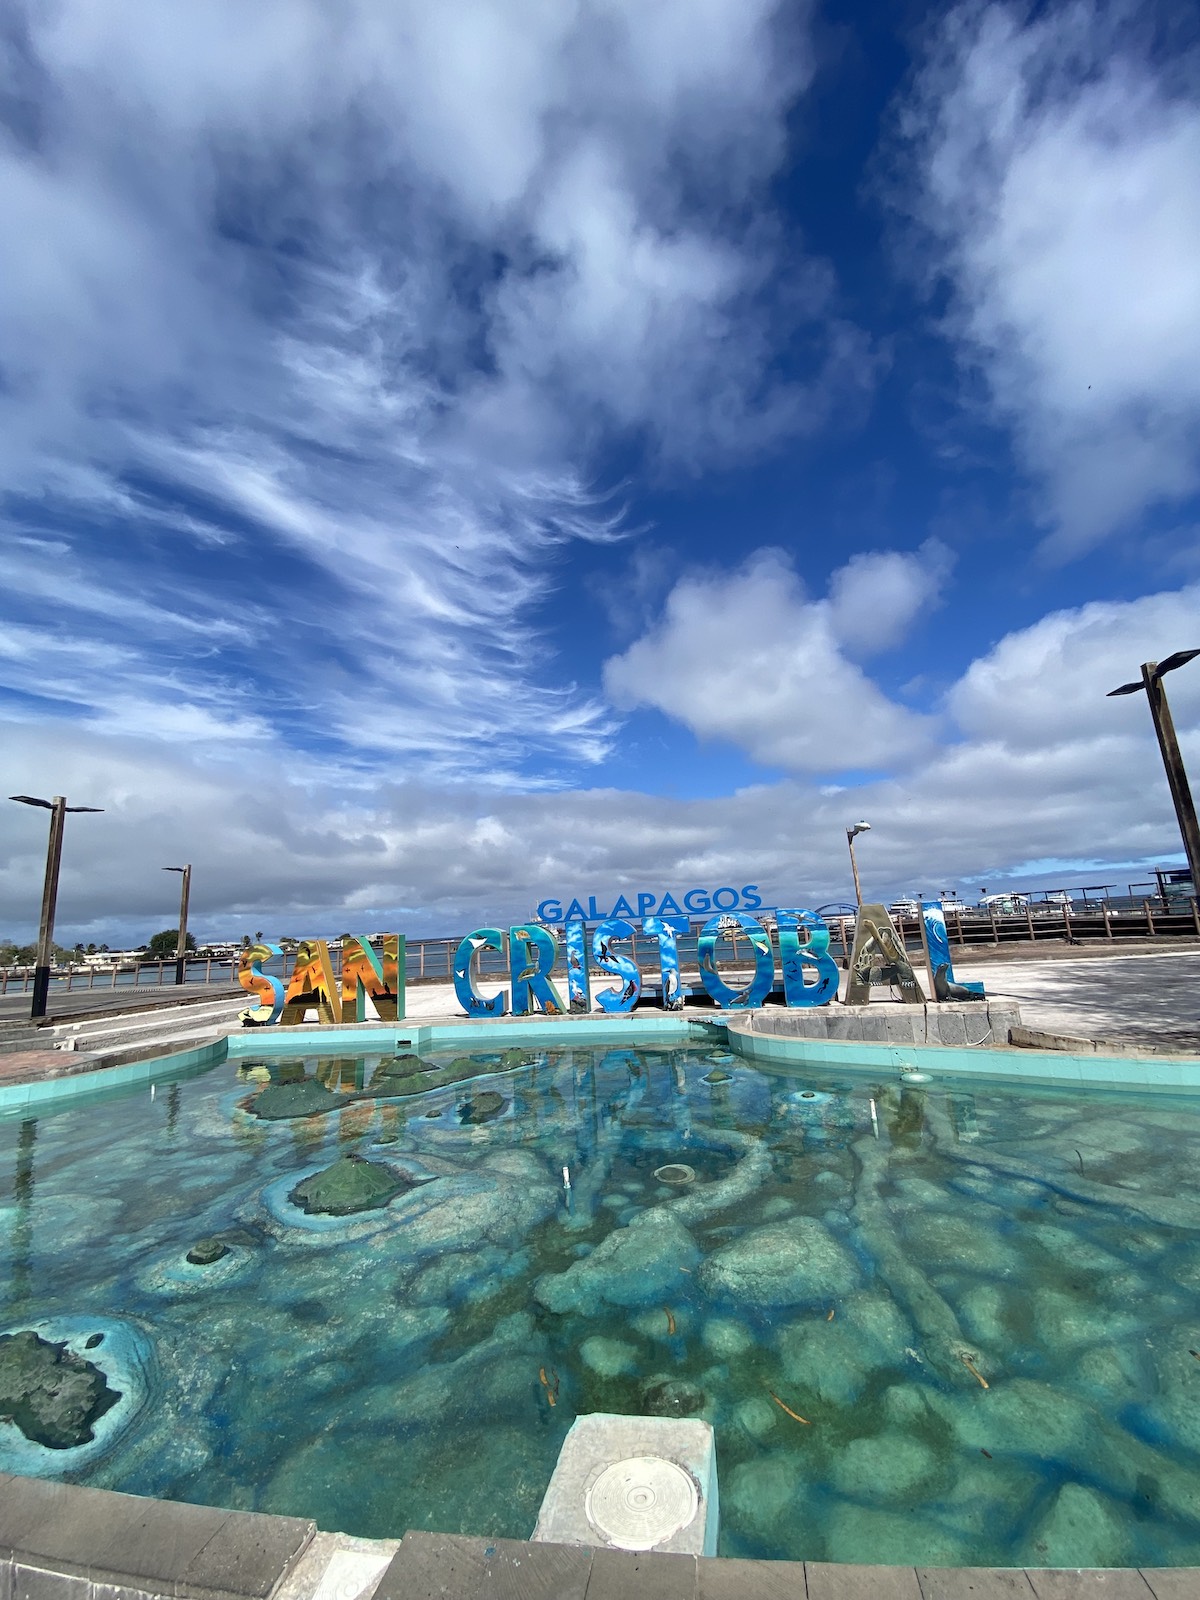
[(396, 1368)]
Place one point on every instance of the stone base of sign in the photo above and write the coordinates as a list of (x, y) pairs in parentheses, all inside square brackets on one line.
[(954, 1023)]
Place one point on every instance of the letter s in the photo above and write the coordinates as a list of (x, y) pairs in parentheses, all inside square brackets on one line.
[(257, 982), (751, 898)]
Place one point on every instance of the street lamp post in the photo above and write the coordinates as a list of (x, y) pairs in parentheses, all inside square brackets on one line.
[(1185, 810), (851, 833), (58, 809), (181, 947)]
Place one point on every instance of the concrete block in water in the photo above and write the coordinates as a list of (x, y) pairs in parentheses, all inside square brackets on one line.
[(634, 1483)]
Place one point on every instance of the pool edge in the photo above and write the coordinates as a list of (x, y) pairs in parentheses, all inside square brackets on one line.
[(995, 1064)]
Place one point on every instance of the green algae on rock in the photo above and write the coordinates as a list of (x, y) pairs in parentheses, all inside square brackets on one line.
[(279, 1102), (485, 1107), (205, 1251), (351, 1184), (53, 1395)]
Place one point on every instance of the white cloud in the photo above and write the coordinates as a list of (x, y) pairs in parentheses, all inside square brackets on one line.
[(1058, 178), (311, 846), (1046, 686), (355, 300), (749, 658), (878, 595)]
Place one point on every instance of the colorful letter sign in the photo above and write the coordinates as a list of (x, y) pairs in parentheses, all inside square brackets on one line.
[(374, 974)]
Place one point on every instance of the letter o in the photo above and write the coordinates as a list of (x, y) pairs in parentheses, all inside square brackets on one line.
[(728, 906)]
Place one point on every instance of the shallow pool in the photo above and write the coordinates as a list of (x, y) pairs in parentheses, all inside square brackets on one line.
[(966, 1332)]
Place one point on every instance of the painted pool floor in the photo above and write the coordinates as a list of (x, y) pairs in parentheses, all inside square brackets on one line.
[(835, 1303)]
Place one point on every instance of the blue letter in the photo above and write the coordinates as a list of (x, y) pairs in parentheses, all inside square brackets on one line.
[(695, 894), (662, 929), (469, 997), (937, 942), (814, 952), (759, 987), (531, 953), (607, 960), (751, 899), (645, 903), (669, 907), (550, 911), (579, 992), (575, 910), (717, 893)]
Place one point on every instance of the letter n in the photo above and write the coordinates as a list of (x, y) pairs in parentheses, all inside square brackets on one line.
[(377, 974)]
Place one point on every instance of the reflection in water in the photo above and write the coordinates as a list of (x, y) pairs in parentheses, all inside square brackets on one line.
[(172, 1110), (22, 1234), (907, 1120)]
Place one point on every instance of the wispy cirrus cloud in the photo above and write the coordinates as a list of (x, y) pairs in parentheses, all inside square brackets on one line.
[(1053, 171), (350, 300)]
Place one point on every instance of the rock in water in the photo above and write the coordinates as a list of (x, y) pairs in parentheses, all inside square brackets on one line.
[(609, 1358), (349, 1185), (483, 1107), (279, 1101), (635, 1266), (53, 1396), (889, 1468), (1081, 1528), (793, 1263), (205, 1251), (398, 1075)]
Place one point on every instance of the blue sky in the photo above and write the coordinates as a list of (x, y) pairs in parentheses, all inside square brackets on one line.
[(458, 455)]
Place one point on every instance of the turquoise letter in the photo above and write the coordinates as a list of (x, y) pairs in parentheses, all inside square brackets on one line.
[(673, 992), (623, 999), (812, 952), (531, 953), (937, 941), (759, 987), (579, 990), (469, 997)]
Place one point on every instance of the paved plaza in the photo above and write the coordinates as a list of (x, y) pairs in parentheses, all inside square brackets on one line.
[(1148, 999)]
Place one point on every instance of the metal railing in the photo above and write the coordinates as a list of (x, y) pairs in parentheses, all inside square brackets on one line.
[(432, 960)]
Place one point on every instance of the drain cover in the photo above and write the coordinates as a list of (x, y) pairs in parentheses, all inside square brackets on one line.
[(641, 1502), (675, 1172)]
